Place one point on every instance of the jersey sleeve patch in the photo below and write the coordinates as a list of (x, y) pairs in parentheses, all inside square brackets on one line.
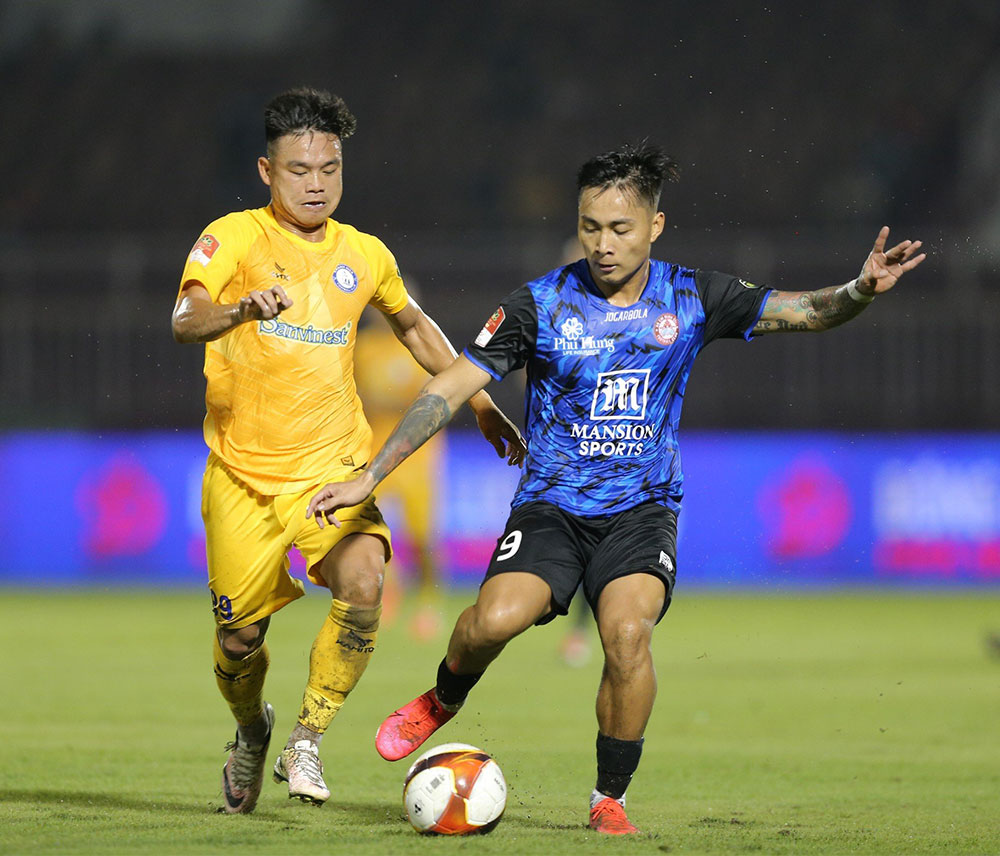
[(203, 251), (491, 326)]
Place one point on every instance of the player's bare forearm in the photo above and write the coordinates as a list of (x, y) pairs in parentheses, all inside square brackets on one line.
[(197, 318), (790, 311), (421, 421), (830, 307), (426, 416), (194, 322)]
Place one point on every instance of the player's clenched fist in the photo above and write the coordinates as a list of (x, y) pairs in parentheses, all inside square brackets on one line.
[(339, 495), (264, 305)]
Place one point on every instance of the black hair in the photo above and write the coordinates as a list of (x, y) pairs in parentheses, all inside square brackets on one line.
[(639, 169), (305, 109)]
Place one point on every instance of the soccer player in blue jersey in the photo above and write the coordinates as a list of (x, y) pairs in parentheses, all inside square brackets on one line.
[(608, 343)]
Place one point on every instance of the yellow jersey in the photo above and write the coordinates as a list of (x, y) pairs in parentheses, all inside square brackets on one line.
[(283, 408)]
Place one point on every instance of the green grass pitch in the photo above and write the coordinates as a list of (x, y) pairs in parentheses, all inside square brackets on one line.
[(800, 724)]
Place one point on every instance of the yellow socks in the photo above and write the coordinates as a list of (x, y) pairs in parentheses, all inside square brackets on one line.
[(339, 657), (241, 682)]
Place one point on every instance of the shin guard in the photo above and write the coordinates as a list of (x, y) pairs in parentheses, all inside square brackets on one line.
[(340, 654)]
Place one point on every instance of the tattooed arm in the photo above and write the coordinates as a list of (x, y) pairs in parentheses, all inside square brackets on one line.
[(432, 350), (808, 310), (428, 414), (828, 307)]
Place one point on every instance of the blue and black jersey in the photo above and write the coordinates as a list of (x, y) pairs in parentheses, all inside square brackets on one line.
[(605, 383)]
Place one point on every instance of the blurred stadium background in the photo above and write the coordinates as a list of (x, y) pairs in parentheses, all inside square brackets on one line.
[(869, 455)]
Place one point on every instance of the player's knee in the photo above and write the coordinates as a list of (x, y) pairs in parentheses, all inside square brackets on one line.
[(354, 571), (627, 641), (241, 642), (497, 623), (362, 587)]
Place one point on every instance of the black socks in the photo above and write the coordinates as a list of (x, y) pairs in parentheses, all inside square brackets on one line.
[(452, 689), (617, 760)]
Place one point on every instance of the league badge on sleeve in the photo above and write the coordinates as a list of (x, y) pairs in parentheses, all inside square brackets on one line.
[(203, 251), (496, 319)]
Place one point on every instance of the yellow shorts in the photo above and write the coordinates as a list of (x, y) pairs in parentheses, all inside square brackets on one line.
[(248, 536)]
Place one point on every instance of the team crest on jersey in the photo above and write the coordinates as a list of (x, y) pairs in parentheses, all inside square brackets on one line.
[(491, 326), (666, 328), (345, 278), (620, 394), (203, 251)]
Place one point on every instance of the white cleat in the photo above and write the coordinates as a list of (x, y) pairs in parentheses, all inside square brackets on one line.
[(301, 768)]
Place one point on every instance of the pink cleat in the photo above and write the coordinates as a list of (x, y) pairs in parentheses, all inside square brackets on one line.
[(407, 728), (609, 817)]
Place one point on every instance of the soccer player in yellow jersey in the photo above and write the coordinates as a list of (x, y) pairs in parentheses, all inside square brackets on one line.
[(275, 294)]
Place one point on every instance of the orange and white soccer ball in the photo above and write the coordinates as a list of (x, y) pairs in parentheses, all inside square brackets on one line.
[(454, 789)]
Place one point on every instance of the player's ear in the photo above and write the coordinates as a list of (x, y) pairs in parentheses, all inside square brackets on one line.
[(656, 228), (264, 168)]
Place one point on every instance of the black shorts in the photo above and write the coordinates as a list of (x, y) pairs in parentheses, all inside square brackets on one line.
[(565, 550)]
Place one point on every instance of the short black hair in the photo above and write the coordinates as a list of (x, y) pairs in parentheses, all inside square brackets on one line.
[(305, 109), (639, 169)]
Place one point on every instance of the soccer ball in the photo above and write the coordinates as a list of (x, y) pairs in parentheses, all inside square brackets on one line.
[(454, 789)]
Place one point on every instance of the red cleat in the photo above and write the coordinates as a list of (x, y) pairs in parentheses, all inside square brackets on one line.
[(609, 817), (407, 728)]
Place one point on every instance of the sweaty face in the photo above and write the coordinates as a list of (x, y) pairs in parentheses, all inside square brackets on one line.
[(616, 229), (305, 174)]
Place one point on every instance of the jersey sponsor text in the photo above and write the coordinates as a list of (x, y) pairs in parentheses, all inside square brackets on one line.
[(584, 345), (310, 335), (611, 441), (572, 340), (627, 314)]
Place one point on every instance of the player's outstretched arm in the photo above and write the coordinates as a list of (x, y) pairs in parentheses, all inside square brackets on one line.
[(428, 414), (829, 307), (198, 318), (432, 350)]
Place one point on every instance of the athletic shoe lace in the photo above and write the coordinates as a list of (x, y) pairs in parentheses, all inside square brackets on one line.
[(608, 814), (413, 725), (245, 764), (307, 764)]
